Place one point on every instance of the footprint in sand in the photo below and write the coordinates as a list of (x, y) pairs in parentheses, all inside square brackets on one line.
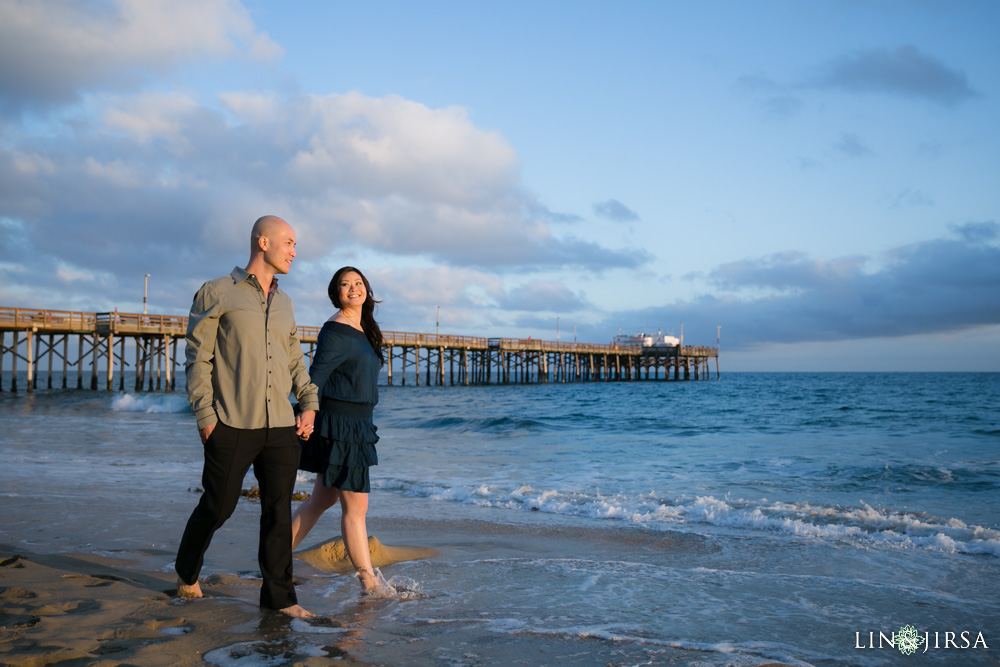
[(12, 561), (18, 620), (168, 626), (101, 579), (18, 593), (70, 607)]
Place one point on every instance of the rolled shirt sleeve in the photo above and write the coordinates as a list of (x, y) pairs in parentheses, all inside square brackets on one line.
[(200, 339)]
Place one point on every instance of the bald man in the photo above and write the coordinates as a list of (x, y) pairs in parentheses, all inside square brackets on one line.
[(243, 360)]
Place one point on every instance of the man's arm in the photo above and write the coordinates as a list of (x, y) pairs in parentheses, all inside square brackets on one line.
[(305, 391), (202, 330)]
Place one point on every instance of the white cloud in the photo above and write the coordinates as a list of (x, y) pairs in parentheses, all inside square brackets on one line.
[(390, 146), (150, 116), (437, 286), (52, 50), (254, 108), (938, 286), (68, 273), (30, 164), (397, 176), (543, 296), (114, 172)]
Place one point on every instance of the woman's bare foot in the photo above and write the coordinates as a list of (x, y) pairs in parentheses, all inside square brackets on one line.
[(370, 583), (296, 611), (189, 591)]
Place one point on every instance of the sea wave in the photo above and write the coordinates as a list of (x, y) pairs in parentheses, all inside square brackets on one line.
[(475, 425), (863, 525), (162, 403)]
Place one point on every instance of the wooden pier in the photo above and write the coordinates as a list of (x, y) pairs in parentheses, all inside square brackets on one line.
[(100, 341)]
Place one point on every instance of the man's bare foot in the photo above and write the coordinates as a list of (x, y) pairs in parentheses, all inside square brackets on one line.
[(189, 591), (296, 611)]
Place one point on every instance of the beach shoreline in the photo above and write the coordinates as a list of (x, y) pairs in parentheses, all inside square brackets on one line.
[(111, 607), (120, 607)]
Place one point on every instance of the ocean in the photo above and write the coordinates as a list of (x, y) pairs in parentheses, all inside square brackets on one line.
[(797, 518)]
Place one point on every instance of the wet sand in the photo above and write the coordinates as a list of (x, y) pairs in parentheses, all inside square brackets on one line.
[(76, 609), (120, 608)]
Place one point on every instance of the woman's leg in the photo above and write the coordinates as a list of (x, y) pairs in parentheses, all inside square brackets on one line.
[(308, 513), (354, 508)]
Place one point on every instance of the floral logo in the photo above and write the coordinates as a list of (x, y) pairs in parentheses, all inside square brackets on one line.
[(908, 640)]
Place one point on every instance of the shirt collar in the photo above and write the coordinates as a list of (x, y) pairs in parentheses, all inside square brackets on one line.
[(239, 275)]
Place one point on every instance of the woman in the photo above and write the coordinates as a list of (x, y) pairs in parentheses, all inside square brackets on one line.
[(345, 368)]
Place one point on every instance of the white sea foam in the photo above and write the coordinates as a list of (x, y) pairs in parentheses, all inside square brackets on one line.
[(863, 525), (151, 403), (320, 625), (245, 654)]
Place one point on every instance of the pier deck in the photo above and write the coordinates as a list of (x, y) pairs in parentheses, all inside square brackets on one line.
[(39, 334)]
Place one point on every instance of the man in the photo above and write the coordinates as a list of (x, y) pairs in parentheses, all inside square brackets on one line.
[(243, 361)]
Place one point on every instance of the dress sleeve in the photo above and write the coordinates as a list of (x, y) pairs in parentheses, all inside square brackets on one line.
[(331, 351)]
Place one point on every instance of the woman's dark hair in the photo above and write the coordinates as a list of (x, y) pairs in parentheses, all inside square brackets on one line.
[(368, 323)]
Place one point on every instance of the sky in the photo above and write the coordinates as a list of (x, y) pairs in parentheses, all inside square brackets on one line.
[(813, 186)]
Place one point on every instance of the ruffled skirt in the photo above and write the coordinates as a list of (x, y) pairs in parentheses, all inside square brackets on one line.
[(342, 448)]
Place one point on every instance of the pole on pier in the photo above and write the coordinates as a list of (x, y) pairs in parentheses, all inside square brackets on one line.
[(168, 363), (173, 381), (138, 362), (79, 364), (93, 364), (31, 362), (718, 337), (111, 362), (121, 358), (50, 349)]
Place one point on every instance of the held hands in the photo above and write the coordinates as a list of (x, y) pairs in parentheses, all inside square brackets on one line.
[(304, 424)]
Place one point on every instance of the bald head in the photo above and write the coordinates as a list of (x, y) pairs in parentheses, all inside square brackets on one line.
[(267, 226)]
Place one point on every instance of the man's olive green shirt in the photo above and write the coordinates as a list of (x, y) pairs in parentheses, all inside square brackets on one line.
[(243, 355)]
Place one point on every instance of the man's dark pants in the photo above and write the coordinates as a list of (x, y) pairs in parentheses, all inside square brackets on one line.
[(229, 453)]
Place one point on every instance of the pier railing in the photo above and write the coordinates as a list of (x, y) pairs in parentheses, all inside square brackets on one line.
[(47, 320), (140, 323)]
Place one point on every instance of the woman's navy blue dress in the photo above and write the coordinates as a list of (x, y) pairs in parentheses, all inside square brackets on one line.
[(342, 447)]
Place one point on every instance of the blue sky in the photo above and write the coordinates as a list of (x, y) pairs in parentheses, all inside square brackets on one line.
[(818, 179)]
